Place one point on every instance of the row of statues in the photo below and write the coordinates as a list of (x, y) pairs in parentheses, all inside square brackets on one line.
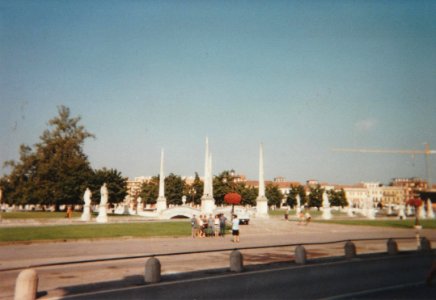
[(102, 208)]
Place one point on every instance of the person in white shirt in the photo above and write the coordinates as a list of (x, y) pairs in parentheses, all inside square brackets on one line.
[(235, 229)]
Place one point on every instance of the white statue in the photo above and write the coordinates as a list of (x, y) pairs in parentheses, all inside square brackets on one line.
[(326, 212), (87, 197), (86, 215), (298, 209), (104, 194), (139, 205), (350, 208), (102, 209)]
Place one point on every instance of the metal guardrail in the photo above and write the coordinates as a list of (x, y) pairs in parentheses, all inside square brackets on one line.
[(199, 252)]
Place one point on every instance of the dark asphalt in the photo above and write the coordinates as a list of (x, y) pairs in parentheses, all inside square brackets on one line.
[(387, 277)]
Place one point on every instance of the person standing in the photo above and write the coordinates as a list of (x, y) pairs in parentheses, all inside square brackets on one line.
[(216, 225), (223, 220), (194, 226), (235, 229), (210, 226)]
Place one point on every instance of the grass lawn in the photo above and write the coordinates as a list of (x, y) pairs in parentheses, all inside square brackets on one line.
[(409, 223), (45, 215), (313, 213), (90, 231)]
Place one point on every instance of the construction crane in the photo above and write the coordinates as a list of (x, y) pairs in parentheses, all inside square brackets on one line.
[(427, 152)]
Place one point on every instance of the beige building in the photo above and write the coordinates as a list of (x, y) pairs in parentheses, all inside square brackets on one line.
[(393, 195)]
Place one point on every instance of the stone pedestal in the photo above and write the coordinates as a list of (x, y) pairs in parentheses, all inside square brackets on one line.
[(371, 213), (86, 215), (102, 214), (350, 250), (326, 213), (161, 204), (422, 214), (300, 255), (350, 211), (236, 261), (152, 270), (392, 247), (26, 285), (262, 207), (207, 204), (401, 213)]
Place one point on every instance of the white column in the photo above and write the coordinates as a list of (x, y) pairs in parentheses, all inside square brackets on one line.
[(207, 200), (261, 200), (161, 202), (326, 210)]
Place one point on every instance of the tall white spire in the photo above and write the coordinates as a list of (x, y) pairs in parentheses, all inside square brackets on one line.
[(161, 203), (261, 175), (161, 175), (207, 200), (210, 177), (261, 200), (206, 190)]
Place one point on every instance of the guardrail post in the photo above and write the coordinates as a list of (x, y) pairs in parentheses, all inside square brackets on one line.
[(392, 247), (26, 285), (152, 270), (350, 250), (300, 255), (236, 261), (425, 244)]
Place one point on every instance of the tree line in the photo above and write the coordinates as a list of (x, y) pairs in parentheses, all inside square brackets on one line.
[(56, 172)]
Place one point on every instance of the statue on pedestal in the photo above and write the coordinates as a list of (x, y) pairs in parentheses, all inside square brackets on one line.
[(326, 212), (102, 209), (86, 215)]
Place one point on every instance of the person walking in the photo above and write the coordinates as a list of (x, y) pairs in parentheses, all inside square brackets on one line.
[(235, 229)]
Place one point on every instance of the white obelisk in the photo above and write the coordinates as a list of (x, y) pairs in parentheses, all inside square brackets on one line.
[(161, 202), (207, 200), (261, 200)]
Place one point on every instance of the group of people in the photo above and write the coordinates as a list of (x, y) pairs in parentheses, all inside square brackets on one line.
[(212, 226)]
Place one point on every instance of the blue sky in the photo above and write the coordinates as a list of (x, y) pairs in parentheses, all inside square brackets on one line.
[(303, 77)]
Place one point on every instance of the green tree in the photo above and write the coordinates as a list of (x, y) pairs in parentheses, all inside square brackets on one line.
[(222, 184), (248, 194), (195, 190), (315, 196), (174, 188), (115, 182), (274, 195), (57, 171), (337, 198), (291, 198), (150, 190)]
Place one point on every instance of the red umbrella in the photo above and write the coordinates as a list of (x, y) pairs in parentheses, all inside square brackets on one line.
[(232, 198), (415, 202)]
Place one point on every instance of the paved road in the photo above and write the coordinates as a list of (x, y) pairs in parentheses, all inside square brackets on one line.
[(365, 278), (70, 279)]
